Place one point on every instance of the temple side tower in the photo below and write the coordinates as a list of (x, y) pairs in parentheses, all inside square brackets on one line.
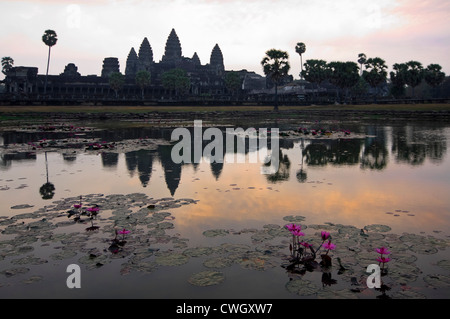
[(145, 55), (132, 65), (216, 61)]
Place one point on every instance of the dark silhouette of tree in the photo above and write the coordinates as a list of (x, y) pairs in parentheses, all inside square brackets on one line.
[(143, 79), (49, 38), (361, 60), (300, 48), (116, 82), (233, 82), (375, 73), (316, 71), (7, 64), (176, 80), (434, 76), (344, 74), (276, 66), (414, 74), (398, 79)]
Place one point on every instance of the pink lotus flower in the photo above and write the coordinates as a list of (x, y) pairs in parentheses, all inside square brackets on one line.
[(77, 206), (383, 259), (383, 251), (325, 235), (297, 233), (293, 227), (124, 232), (305, 244), (93, 209), (329, 245)]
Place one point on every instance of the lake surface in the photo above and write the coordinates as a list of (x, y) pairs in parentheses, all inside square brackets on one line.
[(216, 230)]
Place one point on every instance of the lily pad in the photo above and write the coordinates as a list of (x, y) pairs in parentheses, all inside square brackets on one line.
[(328, 293), (14, 271), (206, 278), (445, 264), (301, 287), (294, 218), (218, 262), (377, 228), (198, 251), (215, 232), (437, 280), (171, 259)]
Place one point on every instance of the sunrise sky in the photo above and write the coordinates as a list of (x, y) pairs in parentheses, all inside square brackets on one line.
[(333, 30)]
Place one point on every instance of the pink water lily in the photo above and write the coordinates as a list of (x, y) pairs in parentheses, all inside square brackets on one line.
[(329, 245), (293, 227), (297, 233), (93, 209), (383, 259), (77, 206), (124, 232), (325, 235), (305, 244), (383, 251)]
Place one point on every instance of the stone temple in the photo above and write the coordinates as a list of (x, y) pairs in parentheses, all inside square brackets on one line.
[(207, 80)]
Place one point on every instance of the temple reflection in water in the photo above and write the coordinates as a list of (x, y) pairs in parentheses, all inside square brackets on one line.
[(410, 145)]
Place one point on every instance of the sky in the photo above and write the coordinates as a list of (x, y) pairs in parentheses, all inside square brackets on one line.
[(333, 30)]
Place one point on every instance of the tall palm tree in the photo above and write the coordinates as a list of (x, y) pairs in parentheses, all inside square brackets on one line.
[(300, 48), (361, 60), (276, 66), (7, 64), (50, 39)]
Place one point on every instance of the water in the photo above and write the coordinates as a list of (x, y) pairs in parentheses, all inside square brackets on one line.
[(392, 174)]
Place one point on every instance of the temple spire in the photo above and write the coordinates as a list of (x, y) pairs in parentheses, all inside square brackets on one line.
[(173, 47), (145, 55), (132, 64), (216, 60)]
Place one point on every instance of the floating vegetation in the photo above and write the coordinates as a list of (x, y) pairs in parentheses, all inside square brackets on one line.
[(169, 258), (377, 228), (302, 287), (215, 232), (135, 231), (437, 280), (206, 278)]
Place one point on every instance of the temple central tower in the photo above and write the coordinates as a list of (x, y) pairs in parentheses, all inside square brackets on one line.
[(173, 48)]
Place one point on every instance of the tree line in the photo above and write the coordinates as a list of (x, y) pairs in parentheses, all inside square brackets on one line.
[(348, 75)]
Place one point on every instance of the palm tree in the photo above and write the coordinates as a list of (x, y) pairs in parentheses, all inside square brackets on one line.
[(7, 64), (116, 82), (375, 73), (143, 79), (276, 66), (414, 74), (300, 48), (50, 39), (361, 60)]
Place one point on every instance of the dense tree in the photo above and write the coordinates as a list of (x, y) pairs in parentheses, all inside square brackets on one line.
[(375, 73), (233, 82), (276, 66), (7, 64), (316, 71), (300, 48), (116, 82), (398, 79), (414, 74), (143, 79), (176, 80), (433, 75), (49, 38), (344, 74)]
